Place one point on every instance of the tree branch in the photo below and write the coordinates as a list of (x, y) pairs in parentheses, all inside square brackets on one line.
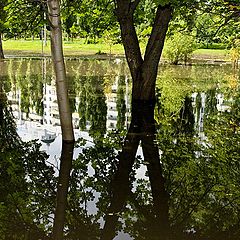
[(157, 37), (124, 13), (134, 5)]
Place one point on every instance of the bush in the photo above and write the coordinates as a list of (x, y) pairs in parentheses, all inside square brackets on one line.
[(235, 53), (179, 47)]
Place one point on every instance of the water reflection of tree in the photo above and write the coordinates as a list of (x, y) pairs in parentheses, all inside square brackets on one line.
[(27, 183), (23, 76), (200, 184), (121, 103), (203, 188), (142, 128), (92, 105), (62, 189)]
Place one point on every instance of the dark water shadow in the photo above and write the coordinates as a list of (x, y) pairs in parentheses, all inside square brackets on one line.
[(142, 130), (62, 189)]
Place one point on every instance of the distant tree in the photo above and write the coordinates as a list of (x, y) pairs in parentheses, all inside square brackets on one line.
[(24, 18), (3, 16), (179, 47)]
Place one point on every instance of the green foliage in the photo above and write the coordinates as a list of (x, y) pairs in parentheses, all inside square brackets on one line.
[(25, 18), (89, 19), (179, 47), (206, 29), (202, 174), (235, 52), (27, 184), (3, 15), (121, 105)]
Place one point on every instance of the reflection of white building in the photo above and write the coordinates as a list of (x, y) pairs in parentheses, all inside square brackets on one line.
[(221, 105), (199, 115), (36, 124), (112, 110), (50, 106), (14, 99)]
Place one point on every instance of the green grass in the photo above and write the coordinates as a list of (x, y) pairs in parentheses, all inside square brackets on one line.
[(75, 48), (78, 48), (211, 54)]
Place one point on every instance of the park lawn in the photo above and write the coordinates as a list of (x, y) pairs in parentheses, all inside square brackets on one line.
[(221, 54), (76, 48)]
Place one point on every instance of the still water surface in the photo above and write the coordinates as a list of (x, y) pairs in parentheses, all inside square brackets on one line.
[(183, 182)]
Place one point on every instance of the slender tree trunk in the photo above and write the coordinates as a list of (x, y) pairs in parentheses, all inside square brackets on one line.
[(65, 117), (60, 71), (1, 48), (62, 189)]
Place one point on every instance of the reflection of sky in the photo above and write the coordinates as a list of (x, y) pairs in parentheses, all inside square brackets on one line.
[(122, 236), (34, 131), (30, 131)]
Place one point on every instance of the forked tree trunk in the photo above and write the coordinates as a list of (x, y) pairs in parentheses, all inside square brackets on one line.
[(60, 71), (1, 48), (143, 70)]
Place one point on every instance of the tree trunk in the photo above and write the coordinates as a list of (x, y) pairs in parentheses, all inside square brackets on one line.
[(143, 71), (65, 117), (60, 71), (1, 48), (142, 129), (62, 189)]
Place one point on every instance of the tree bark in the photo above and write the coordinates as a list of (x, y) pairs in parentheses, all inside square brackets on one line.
[(1, 48), (65, 117), (60, 71), (143, 71), (62, 189)]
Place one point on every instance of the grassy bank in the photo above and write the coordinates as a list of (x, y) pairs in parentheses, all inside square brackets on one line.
[(78, 48)]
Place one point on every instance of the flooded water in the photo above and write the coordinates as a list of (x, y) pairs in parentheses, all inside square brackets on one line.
[(139, 171)]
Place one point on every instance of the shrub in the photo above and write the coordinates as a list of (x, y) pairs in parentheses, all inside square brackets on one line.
[(235, 53), (179, 47)]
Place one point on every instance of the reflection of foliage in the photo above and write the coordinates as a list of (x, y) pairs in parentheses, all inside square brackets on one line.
[(202, 177), (23, 83), (90, 179), (176, 82), (96, 107), (31, 87), (72, 93), (121, 105), (27, 185), (92, 106), (36, 88), (211, 102)]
